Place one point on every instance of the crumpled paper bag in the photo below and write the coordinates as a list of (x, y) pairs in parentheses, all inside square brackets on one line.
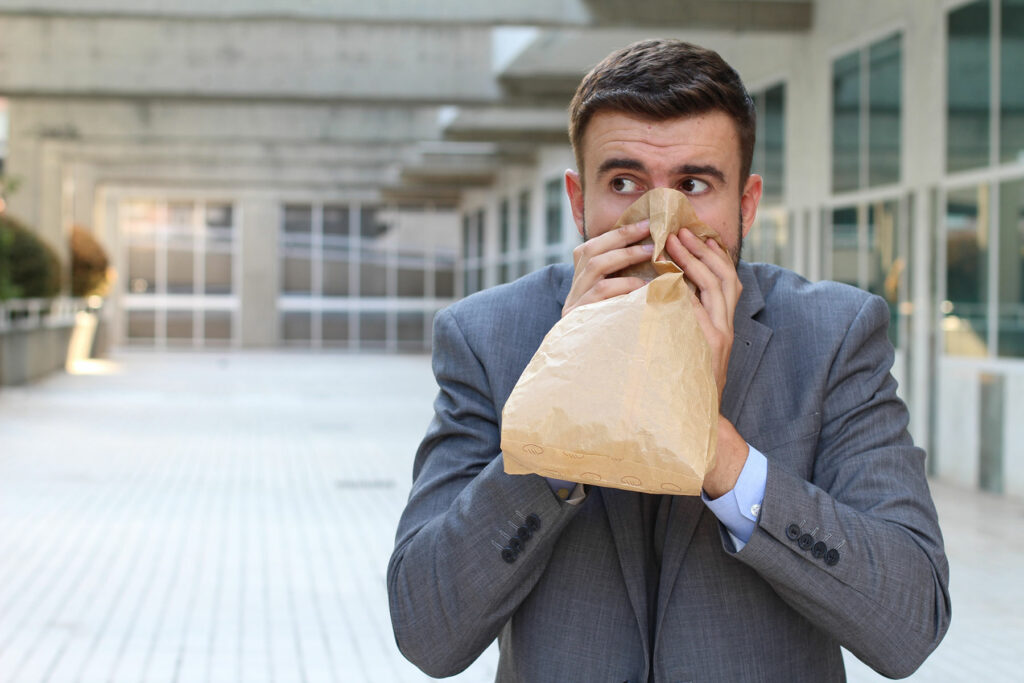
[(621, 392), (670, 211)]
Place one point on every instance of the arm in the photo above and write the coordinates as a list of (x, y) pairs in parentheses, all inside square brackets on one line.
[(883, 593), (450, 588)]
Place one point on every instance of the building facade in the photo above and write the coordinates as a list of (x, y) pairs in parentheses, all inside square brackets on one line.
[(329, 177)]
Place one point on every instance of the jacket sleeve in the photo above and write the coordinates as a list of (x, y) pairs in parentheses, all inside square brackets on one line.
[(857, 550), (456, 575)]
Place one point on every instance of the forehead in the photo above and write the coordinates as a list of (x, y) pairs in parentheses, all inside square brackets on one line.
[(711, 136)]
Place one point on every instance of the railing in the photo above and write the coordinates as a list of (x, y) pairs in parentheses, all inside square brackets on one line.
[(32, 314)]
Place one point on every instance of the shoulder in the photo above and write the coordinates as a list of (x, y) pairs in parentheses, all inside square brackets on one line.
[(535, 298), (792, 298)]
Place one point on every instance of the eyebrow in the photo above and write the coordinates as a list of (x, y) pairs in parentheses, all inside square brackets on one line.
[(694, 169), (626, 164)]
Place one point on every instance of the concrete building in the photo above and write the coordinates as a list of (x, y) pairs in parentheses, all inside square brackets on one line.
[(331, 173)]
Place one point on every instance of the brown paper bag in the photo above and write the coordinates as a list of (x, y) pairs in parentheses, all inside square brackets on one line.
[(670, 211), (620, 392)]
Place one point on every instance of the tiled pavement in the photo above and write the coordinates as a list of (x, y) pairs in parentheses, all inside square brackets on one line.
[(228, 517)]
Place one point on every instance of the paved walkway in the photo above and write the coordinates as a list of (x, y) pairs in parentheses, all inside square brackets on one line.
[(229, 517)]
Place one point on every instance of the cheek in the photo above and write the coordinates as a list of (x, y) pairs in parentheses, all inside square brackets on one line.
[(600, 216)]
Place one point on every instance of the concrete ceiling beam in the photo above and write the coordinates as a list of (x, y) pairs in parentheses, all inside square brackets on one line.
[(793, 15), (245, 60), (534, 126)]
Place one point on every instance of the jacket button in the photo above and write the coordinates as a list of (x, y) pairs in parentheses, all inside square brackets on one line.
[(532, 522), (832, 557), (805, 542), (508, 555), (818, 551), (515, 544), (523, 533), (792, 532)]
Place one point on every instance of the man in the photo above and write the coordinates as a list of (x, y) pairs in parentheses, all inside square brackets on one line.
[(816, 528)]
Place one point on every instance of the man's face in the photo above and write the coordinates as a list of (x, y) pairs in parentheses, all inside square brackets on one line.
[(625, 156)]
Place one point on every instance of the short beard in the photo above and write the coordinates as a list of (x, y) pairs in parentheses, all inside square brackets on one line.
[(735, 253)]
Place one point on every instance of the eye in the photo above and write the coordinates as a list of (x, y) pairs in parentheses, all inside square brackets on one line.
[(694, 186), (625, 185)]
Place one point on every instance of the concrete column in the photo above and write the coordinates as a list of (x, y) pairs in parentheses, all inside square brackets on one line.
[(259, 221)]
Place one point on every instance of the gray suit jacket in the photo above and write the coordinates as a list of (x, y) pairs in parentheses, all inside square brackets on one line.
[(808, 385)]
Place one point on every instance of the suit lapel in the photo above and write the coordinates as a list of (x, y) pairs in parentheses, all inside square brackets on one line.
[(750, 338), (624, 516), (684, 514), (749, 341)]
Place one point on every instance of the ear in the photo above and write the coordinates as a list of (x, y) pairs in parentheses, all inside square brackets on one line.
[(574, 188), (749, 200)]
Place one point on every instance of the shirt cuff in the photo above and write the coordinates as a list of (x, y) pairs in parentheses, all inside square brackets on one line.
[(738, 509)]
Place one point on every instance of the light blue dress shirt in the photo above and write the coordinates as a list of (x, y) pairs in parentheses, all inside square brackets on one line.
[(737, 510)]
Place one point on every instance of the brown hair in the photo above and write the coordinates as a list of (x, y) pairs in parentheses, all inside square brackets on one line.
[(663, 79)]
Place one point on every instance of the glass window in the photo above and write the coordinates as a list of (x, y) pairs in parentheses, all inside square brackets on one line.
[(505, 213), (217, 326), (965, 324), (866, 105), (370, 225), (334, 328), (444, 282), (142, 269), (296, 326), (141, 324), (373, 273), (179, 272), (335, 272), (885, 267), (410, 329), (298, 274), (336, 221), (552, 212), (298, 219), (218, 273), (179, 215), (411, 282), (845, 249), (4, 132), (373, 329), (884, 83), (1011, 88), (967, 81), (846, 108), (524, 221), (179, 325), (1011, 269), (480, 225), (769, 151), (219, 215)]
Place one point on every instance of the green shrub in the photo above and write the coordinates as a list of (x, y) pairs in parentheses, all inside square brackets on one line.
[(29, 268), (89, 264)]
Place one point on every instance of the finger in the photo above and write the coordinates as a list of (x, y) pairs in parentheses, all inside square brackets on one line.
[(613, 261), (719, 263), (722, 265), (613, 239), (607, 289), (712, 295), (593, 270)]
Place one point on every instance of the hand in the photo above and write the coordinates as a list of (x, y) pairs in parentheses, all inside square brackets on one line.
[(729, 460), (713, 272), (599, 257)]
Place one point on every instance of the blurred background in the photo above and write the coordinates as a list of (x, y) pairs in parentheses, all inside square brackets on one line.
[(315, 174), (268, 175)]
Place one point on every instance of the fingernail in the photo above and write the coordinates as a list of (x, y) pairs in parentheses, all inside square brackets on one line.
[(649, 248), (645, 223)]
